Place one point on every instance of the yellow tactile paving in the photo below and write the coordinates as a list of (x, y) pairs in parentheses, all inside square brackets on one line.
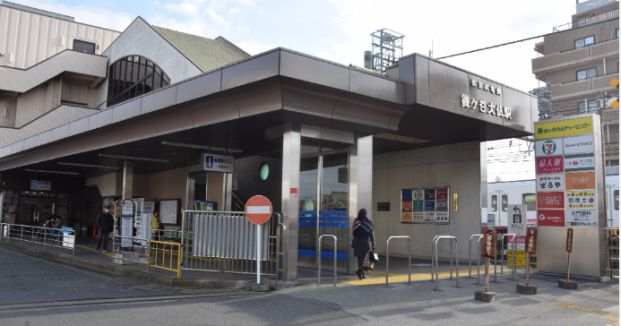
[(612, 316), (374, 278)]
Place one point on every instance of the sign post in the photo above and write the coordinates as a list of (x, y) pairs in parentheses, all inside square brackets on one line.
[(517, 226), (127, 223), (488, 249), (531, 248), (258, 211), (569, 243)]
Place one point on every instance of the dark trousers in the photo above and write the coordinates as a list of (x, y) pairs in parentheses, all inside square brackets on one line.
[(103, 237), (361, 264)]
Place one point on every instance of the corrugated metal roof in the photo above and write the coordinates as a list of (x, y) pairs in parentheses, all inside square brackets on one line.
[(207, 54)]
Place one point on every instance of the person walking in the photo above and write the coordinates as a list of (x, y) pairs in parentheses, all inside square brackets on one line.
[(364, 240), (105, 224)]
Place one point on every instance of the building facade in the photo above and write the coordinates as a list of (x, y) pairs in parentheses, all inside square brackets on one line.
[(579, 61), (328, 139)]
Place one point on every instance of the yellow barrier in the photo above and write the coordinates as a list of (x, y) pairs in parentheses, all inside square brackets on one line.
[(520, 258), (165, 255)]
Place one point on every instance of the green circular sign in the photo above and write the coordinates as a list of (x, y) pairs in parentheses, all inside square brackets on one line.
[(264, 171)]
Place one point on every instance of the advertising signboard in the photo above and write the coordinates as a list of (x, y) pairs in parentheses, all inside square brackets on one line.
[(551, 217), (552, 164), (580, 180), (550, 200), (564, 128), (578, 145), (428, 205), (550, 182), (517, 219), (579, 163), (549, 147), (583, 217), (581, 199)]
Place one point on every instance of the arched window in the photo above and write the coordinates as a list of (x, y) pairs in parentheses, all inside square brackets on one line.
[(132, 76)]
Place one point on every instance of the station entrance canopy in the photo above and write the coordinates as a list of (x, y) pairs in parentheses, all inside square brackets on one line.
[(243, 106)]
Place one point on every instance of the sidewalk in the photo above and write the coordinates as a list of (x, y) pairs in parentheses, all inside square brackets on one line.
[(87, 257)]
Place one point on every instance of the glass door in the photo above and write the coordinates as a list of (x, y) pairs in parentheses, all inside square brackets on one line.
[(324, 201)]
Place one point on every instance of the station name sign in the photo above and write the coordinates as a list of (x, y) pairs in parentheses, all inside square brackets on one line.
[(484, 106)]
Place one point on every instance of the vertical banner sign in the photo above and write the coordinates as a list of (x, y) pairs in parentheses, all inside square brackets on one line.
[(127, 225), (570, 240), (488, 249), (531, 241)]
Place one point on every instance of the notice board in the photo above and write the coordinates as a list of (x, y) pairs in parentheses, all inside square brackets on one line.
[(169, 211), (425, 205)]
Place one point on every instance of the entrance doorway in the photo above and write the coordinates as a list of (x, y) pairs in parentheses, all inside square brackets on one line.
[(324, 200)]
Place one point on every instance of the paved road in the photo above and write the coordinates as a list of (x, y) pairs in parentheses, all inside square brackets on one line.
[(37, 292)]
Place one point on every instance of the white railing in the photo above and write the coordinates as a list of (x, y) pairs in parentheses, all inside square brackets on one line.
[(63, 238)]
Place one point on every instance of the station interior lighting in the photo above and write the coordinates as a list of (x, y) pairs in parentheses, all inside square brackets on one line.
[(52, 172), (134, 158), (84, 165), (208, 148)]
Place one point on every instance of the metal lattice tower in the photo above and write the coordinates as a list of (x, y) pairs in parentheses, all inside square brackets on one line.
[(386, 48)]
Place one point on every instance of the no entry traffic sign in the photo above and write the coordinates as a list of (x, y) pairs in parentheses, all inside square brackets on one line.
[(258, 209)]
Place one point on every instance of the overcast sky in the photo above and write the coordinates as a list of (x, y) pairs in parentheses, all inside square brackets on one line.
[(338, 30)]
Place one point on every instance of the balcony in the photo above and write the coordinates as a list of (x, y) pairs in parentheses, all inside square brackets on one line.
[(566, 59), (582, 87)]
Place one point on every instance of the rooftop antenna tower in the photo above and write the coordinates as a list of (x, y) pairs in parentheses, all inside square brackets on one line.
[(386, 49)]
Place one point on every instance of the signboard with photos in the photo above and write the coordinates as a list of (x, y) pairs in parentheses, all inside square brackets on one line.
[(425, 205), (565, 168)]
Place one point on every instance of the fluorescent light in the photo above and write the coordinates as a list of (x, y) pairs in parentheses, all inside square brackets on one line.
[(208, 148), (53, 172), (84, 165), (135, 158)]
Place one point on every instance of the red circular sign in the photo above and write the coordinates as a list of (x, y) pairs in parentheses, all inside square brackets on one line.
[(258, 209)]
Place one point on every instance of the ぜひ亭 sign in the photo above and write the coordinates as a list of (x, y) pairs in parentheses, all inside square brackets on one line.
[(550, 182)]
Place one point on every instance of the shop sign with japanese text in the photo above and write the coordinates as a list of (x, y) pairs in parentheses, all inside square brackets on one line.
[(578, 145), (583, 217), (550, 217), (579, 163), (551, 200), (564, 128), (550, 182), (550, 164), (581, 199), (549, 147), (580, 180)]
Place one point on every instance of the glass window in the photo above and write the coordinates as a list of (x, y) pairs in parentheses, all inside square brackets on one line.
[(588, 106), (82, 46), (264, 171), (494, 203), (615, 34), (530, 200), (586, 73), (133, 76), (505, 202), (616, 199), (585, 41)]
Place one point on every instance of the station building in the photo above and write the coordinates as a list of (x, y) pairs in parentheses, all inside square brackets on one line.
[(90, 114)]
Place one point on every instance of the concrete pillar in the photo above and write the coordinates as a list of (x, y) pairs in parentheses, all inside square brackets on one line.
[(127, 191), (360, 184), (291, 144)]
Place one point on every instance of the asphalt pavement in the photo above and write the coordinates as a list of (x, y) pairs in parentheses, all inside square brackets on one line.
[(38, 292)]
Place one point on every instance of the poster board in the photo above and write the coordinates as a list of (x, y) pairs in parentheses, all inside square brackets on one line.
[(425, 205), (169, 211)]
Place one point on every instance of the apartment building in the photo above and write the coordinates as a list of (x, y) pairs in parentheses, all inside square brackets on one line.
[(579, 62)]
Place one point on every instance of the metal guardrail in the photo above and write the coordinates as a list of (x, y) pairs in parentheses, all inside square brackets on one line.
[(164, 255), (453, 255), (612, 252), (129, 249), (281, 250), (41, 235), (335, 241), (409, 255), (477, 237)]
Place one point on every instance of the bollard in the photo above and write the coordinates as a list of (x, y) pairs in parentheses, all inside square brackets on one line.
[(434, 259), (335, 241), (476, 237), (409, 255)]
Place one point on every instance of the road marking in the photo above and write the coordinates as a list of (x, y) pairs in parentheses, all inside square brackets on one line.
[(399, 278), (612, 316)]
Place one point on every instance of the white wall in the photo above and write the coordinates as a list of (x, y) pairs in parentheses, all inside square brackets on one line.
[(108, 184), (456, 166)]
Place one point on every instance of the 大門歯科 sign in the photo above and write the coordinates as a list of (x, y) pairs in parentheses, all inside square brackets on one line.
[(582, 217)]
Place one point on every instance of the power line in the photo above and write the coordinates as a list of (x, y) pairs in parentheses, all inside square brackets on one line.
[(494, 46)]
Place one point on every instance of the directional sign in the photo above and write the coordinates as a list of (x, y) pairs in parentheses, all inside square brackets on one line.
[(258, 209)]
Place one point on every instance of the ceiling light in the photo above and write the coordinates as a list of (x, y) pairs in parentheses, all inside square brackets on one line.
[(208, 148), (53, 172), (84, 165), (134, 158)]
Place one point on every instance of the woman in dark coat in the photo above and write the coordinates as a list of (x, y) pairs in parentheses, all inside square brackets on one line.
[(364, 240)]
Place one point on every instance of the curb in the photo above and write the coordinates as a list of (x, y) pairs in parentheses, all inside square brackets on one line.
[(241, 285)]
